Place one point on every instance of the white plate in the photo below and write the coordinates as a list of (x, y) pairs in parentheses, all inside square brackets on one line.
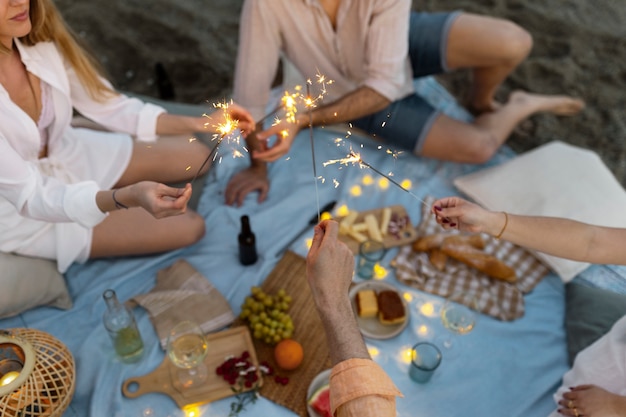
[(371, 326), (321, 379)]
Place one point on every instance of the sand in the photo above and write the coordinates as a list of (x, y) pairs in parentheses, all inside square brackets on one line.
[(579, 49)]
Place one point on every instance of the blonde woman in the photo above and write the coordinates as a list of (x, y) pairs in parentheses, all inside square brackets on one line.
[(71, 194)]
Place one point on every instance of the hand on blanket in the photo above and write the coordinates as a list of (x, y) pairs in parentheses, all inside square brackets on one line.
[(592, 401), (253, 178), (457, 213)]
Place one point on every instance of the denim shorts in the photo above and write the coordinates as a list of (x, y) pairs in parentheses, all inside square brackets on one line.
[(406, 122)]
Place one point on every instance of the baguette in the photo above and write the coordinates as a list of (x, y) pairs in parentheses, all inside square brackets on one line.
[(475, 241), (438, 258), (488, 264), (430, 242)]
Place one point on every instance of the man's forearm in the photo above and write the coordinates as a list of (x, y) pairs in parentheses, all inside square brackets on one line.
[(361, 102), (342, 332)]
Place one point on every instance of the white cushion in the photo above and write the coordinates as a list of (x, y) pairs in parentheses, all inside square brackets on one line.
[(557, 180), (28, 283)]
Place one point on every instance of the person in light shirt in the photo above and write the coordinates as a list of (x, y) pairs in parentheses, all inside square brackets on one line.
[(596, 384), (358, 386), (71, 194), (372, 50)]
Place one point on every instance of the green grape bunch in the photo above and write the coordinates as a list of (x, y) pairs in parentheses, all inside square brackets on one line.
[(266, 315)]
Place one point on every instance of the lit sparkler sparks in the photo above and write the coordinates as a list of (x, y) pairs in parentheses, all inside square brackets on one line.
[(223, 129), (355, 158)]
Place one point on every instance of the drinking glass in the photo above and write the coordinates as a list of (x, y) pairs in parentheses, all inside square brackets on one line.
[(187, 347), (458, 314), (425, 359), (370, 253)]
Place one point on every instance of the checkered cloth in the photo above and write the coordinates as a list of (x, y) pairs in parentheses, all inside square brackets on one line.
[(502, 300)]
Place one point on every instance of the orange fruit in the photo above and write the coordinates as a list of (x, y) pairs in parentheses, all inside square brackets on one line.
[(288, 354)]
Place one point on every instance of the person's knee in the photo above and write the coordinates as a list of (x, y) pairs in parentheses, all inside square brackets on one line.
[(195, 228), (518, 41), (482, 151)]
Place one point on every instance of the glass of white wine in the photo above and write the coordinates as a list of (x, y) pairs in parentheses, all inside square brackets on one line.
[(187, 347), (459, 314)]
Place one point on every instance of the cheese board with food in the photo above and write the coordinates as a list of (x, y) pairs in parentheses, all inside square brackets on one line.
[(390, 225)]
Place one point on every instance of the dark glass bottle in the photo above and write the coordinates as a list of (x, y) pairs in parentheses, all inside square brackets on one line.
[(247, 243), (120, 323)]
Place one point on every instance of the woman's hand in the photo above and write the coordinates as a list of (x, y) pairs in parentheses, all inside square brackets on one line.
[(160, 200), (220, 117), (457, 213), (592, 401)]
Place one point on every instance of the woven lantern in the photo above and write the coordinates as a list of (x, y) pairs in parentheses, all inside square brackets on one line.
[(36, 374)]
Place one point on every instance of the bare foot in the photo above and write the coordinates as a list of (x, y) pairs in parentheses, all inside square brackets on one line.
[(555, 104)]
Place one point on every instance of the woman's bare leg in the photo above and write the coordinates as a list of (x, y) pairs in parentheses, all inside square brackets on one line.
[(452, 140), (170, 159), (492, 48), (136, 232)]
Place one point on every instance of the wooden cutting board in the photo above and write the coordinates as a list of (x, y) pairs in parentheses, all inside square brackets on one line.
[(164, 379), (405, 235), (290, 274)]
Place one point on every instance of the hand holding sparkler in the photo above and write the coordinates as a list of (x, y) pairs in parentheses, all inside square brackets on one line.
[(228, 117), (224, 125), (285, 133)]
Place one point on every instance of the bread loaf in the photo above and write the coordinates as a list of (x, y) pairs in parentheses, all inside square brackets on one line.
[(430, 242), (488, 264), (475, 241), (366, 303), (438, 259), (390, 308), (426, 243)]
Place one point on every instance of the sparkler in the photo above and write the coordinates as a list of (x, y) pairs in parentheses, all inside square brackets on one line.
[(225, 128), (309, 104), (355, 158)]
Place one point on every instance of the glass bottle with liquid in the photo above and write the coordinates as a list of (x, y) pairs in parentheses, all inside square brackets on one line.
[(247, 243), (122, 327)]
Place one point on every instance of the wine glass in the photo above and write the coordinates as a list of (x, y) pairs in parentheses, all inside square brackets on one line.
[(187, 348), (458, 314)]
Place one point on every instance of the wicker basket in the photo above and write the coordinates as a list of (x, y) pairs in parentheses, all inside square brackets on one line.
[(45, 384)]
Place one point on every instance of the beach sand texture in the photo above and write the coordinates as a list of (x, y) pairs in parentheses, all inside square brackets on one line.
[(579, 49)]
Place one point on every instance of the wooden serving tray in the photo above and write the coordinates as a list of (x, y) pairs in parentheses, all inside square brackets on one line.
[(407, 235), (164, 379)]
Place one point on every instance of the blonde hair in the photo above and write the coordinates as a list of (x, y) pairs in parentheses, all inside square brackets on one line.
[(48, 25)]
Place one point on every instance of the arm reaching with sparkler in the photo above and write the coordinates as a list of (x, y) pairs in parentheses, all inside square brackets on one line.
[(552, 235), (173, 124), (330, 266), (358, 103)]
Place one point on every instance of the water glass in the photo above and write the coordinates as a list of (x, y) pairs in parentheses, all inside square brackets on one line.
[(425, 359), (370, 253)]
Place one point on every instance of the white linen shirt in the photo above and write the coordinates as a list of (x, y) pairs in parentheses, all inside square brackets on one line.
[(369, 47), (58, 192)]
